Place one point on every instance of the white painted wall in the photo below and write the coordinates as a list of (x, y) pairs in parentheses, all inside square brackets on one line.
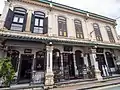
[(53, 24)]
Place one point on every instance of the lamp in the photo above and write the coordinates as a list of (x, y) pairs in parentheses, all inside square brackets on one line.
[(50, 43)]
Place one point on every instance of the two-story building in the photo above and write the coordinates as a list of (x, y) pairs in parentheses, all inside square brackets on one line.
[(49, 42)]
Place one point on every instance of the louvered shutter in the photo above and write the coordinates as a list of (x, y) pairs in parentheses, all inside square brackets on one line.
[(32, 23), (9, 19), (59, 27), (24, 23), (45, 25), (65, 29)]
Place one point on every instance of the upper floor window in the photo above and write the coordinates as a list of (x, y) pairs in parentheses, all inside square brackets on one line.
[(78, 28), (39, 23), (62, 26), (97, 32), (110, 35), (16, 19)]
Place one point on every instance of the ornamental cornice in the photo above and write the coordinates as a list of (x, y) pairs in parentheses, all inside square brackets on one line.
[(39, 37)]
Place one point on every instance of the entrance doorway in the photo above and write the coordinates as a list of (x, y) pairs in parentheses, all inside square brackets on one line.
[(102, 64), (79, 63), (68, 65), (110, 62), (25, 72), (71, 66)]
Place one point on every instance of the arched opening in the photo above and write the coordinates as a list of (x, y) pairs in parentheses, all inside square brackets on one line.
[(79, 29), (19, 19), (14, 55), (97, 32), (37, 22), (62, 26), (79, 62)]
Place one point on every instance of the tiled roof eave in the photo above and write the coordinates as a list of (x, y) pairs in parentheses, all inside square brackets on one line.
[(36, 37)]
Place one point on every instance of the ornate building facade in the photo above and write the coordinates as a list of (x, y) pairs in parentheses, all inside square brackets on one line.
[(49, 42)]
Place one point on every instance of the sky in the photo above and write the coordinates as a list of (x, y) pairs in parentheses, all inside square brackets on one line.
[(109, 8)]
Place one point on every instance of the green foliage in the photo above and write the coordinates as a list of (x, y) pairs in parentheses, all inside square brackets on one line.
[(6, 70)]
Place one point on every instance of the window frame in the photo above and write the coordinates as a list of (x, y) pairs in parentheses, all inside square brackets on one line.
[(97, 32), (78, 25), (110, 34), (40, 16), (18, 12), (62, 31)]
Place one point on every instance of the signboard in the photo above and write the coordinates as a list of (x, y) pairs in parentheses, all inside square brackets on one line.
[(28, 51)]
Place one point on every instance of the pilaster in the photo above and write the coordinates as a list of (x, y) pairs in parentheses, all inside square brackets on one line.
[(50, 23), (4, 14), (28, 23)]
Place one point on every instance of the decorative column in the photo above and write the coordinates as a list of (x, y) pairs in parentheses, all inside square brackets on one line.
[(75, 66), (97, 71), (49, 76), (28, 23), (4, 14)]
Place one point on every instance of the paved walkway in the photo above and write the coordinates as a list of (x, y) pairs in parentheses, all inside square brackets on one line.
[(89, 85)]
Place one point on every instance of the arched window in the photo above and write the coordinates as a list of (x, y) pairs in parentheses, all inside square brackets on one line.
[(14, 55), (78, 28), (97, 32), (16, 19), (62, 26), (39, 23), (110, 35)]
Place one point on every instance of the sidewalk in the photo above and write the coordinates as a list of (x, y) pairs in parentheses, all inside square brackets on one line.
[(91, 85)]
